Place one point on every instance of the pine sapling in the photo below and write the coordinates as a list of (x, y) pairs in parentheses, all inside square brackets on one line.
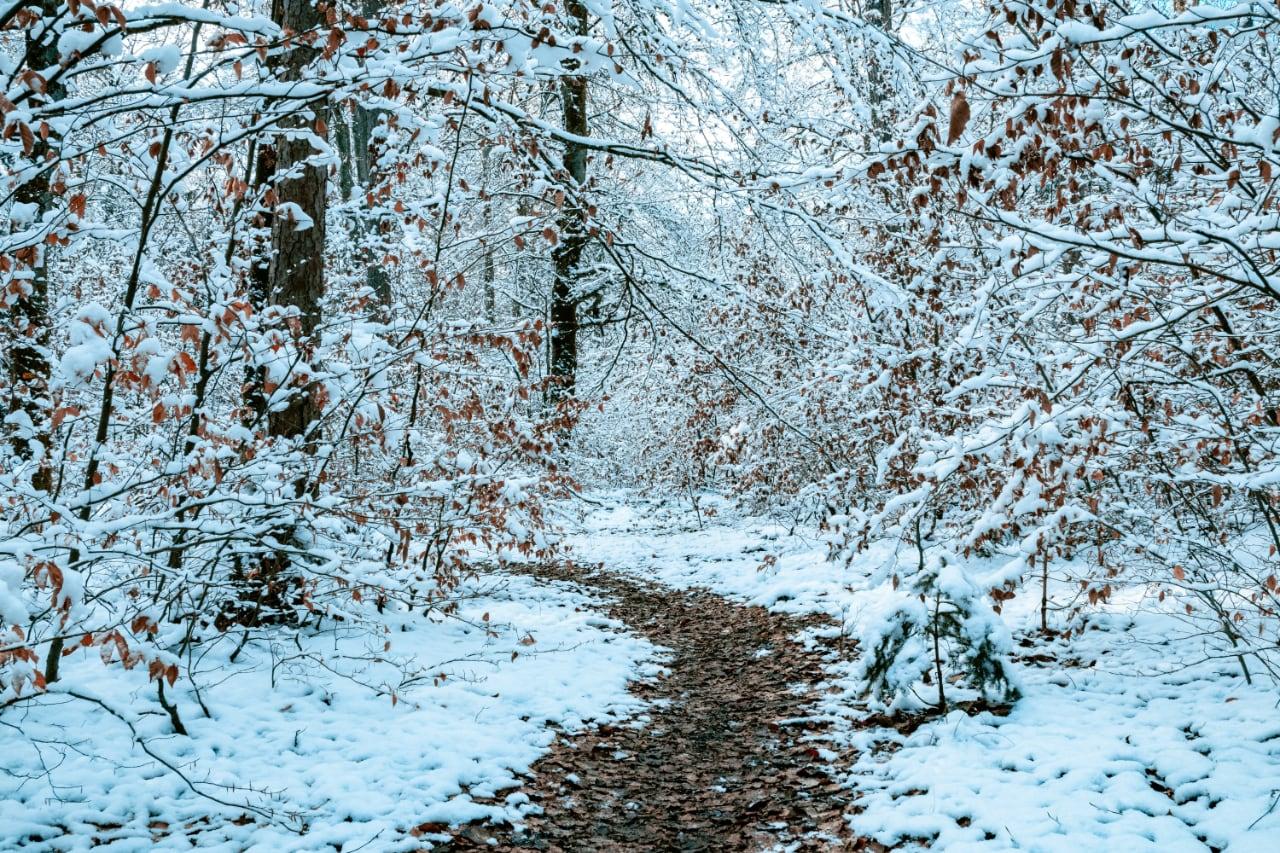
[(943, 626)]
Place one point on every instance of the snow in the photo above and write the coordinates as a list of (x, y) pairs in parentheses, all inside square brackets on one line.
[(23, 213), (291, 212), (166, 57), (1124, 738), (1107, 754), (88, 346), (309, 754)]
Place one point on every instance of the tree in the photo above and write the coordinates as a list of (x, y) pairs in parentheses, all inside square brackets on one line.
[(188, 161), (27, 293), (296, 272), (571, 225), (940, 631)]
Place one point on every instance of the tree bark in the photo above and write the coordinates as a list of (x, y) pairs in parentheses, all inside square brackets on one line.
[(357, 171), (28, 360), (296, 271), (487, 271), (566, 256), (881, 14), (264, 172), (288, 271)]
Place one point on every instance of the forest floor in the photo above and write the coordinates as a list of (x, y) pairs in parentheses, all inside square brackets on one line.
[(729, 758), (756, 735), (688, 682)]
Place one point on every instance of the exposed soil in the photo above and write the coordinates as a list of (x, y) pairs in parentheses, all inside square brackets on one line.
[(728, 761)]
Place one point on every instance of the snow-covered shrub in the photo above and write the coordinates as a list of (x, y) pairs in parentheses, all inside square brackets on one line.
[(1112, 285), (938, 628), (1038, 319)]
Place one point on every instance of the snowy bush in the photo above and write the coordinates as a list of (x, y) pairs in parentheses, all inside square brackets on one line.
[(936, 629)]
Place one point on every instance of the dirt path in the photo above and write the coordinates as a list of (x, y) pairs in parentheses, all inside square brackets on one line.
[(724, 764)]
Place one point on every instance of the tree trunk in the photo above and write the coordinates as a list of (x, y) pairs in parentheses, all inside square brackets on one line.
[(572, 232), (487, 271), (881, 14), (296, 271), (264, 172), (375, 272), (28, 359), (288, 271), (356, 143)]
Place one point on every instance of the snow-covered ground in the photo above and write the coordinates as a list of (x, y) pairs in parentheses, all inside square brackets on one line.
[(1120, 742), (304, 746), (1117, 744)]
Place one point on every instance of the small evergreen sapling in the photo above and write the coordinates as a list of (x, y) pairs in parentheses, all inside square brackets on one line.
[(942, 629)]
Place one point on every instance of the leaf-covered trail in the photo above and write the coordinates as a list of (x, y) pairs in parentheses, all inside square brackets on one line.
[(727, 760)]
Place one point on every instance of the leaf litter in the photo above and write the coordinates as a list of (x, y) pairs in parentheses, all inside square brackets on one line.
[(729, 757)]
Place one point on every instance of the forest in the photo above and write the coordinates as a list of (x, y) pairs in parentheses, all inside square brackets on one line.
[(630, 425)]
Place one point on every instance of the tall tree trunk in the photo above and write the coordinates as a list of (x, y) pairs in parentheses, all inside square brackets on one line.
[(573, 236), (366, 121), (487, 271), (264, 172), (357, 172), (881, 14), (28, 359), (296, 271), (287, 270)]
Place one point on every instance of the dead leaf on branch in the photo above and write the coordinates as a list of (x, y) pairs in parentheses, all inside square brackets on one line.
[(959, 118)]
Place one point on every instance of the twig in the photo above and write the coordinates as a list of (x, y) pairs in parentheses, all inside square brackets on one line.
[(145, 747)]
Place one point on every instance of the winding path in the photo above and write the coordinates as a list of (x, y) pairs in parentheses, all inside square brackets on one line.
[(728, 761)]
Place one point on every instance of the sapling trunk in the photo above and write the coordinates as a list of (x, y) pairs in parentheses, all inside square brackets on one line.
[(171, 708), (1044, 595), (937, 650)]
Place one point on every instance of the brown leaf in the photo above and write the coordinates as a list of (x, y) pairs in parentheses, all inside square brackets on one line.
[(959, 117)]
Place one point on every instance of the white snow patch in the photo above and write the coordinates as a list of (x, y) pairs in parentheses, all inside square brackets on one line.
[(317, 749)]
